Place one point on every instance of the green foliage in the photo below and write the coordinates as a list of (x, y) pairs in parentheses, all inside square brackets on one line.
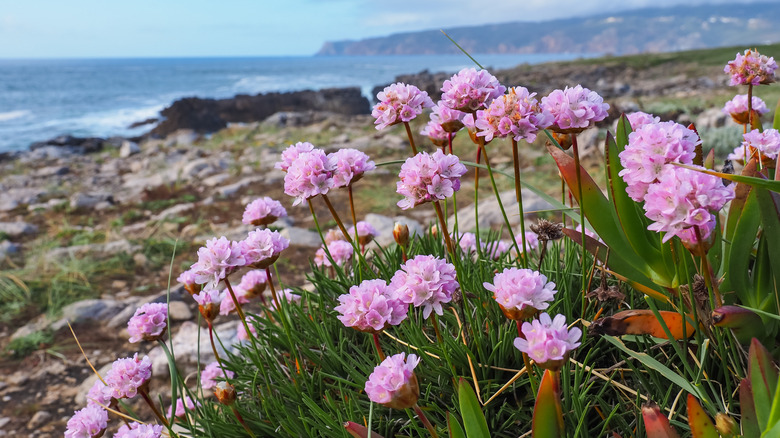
[(23, 346)]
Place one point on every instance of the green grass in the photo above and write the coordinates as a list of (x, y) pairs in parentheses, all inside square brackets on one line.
[(158, 205), (23, 346)]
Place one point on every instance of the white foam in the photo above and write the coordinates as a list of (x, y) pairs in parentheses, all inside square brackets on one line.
[(11, 115)]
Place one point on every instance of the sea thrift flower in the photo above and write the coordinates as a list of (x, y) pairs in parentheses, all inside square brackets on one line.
[(89, 422), (393, 382), (209, 302), (737, 108), (309, 175), (333, 235), (494, 250), (548, 341), (531, 240), (138, 430), (470, 90), (128, 376), (767, 142), (398, 103), (650, 149), (241, 332), (444, 123), (366, 232), (227, 305), (516, 114), (684, 198), (638, 119), (180, 406), (187, 278), (348, 166), (253, 283), (521, 292), (401, 234), (148, 323), (287, 296), (262, 247), (574, 109), (225, 393), (425, 281), (99, 394), (436, 134), (218, 259), (340, 250), (751, 68), (263, 211), (371, 307), (291, 153), (588, 232), (429, 177), (212, 372), (466, 241)]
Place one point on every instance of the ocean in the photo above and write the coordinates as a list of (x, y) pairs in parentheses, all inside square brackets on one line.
[(40, 99)]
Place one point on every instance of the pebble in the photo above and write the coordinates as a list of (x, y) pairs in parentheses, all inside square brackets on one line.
[(39, 419)]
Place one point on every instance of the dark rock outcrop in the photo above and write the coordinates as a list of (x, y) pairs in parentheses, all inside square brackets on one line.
[(211, 115), (83, 145)]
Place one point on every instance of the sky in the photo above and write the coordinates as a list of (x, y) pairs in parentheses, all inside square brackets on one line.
[(172, 28)]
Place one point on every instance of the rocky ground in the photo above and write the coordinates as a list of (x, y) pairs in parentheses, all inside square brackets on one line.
[(87, 234)]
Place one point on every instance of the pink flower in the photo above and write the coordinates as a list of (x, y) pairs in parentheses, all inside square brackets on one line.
[(425, 281), (548, 341), (348, 166), (128, 375), (148, 323), (428, 177), (574, 109), (767, 142), (436, 133), (738, 106), (99, 394), (516, 114), (218, 259), (227, 306), (532, 240), (684, 198), (371, 307), (650, 149), (398, 103), (393, 383), (291, 153), (138, 430), (333, 235), (466, 241), (638, 119), (89, 422), (187, 278), (209, 302), (588, 233), (751, 68), (495, 249), (288, 296), (521, 292), (263, 247), (180, 406), (241, 332), (212, 372), (263, 211), (365, 231), (470, 90), (309, 175), (340, 250), (252, 284)]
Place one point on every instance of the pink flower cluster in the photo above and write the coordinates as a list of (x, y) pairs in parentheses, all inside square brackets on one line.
[(751, 68), (148, 322), (340, 250), (531, 240), (468, 244), (470, 90), (684, 198), (738, 105), (516, 114), (212, 372), (138, 430), (393, 381), (241, 333), (521, 291), (263, 211), (365, 231), (429, 177), (218, 259), (348, 166), (548, 341), (650, 149), (262, 247), (181, 404), (128, 375), (574, 109), (310, 174), (371, 307), (444, 121), (292, 153), (188, 279), (209, 302), (99, 394), (287, 296), (767, 142), (425, 281), (252, 283), (398, 103), (638, 119), (89, 422), (436, 133)]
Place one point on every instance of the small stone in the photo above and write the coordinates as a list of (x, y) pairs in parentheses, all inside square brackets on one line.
[(89, 200), (302, 237), (4, 421), (140, 259), (128, 148), (119, 284), (216, 180), (179, 311), (39, 419)]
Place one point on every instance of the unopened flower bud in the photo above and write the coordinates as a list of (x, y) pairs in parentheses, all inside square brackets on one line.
[(225, 392), (401, 234), (726, 425)]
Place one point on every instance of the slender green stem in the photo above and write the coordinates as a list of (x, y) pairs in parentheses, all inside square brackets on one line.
[(480, 144), (519, 195), (273, 289), (337, 218), (214, 349), (711, 284), (443, 222), (354, 216), (151, 404), (379, 350), (500, 204), (240, 311), (435, 324), (411, 138), (582, 219)]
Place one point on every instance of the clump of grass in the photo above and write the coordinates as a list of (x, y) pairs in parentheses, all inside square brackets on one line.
[(24, 345)]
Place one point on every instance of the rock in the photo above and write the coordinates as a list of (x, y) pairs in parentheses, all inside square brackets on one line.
[(285, 119), (48, 205), (712, 118), (182, 137), (186, 347), (129, 148), (17, 229), (78, 145), (49, 171), (179, 311), (232, 189), (40, 323), (490, 214), (588, 142), (96, 249), (89, 200), (216, 180), (15, 198), (8, 249), (4, 421), (39, 419), (92, 309), (148, 121), (173, 212), (302, 237)]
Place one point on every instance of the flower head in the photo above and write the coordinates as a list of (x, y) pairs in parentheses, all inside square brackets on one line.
[(436, 134), (291, 153), (751, 68), (138, 430), (767, 142), (209, 301), (516, 114), (531, 240), (637, 119), (148, 323), (521, 292), (99, 394), (393, 382), (309, 175), (128, 375), (398, 103), (263, 211), (218, 259), (262, 247), (287, 296), (574, 109), (737, 108), (252, 284), (425, 281), (241, 333), (548, 341), (228, 306), (340, 250), (366, 232), (225, 393), (348, 166), (371, 307), (89, 422), (470, 90), (212, 372), (181, 404), (187, 278), (429, 177)]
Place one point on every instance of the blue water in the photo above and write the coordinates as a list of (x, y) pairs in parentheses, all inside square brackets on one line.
[(40, 99)]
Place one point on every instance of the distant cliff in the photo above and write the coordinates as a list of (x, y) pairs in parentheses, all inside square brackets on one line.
[(637, 31)]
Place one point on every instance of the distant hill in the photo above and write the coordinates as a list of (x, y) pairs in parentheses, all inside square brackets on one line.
[(629, 32)]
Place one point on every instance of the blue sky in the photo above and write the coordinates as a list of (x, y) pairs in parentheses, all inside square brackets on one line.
[(139, 28)]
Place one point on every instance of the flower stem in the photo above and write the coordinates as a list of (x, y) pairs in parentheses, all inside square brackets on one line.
[(379, 350), (581, 202), (273, 289), (519, 195), (241, 420), (705, 266), (240, 311), (480, 144), (352, 209), (337, 218), (435, 323), (443, 222), (500, 204), (214, 349), (424, 420), (151, 404), (411, 138)]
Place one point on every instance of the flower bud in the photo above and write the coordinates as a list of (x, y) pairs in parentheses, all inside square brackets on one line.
[(744, 323), (727, 427), (225, 392), (401, 234)]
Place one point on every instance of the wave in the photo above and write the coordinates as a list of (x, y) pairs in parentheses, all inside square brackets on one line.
[(11, 115)]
